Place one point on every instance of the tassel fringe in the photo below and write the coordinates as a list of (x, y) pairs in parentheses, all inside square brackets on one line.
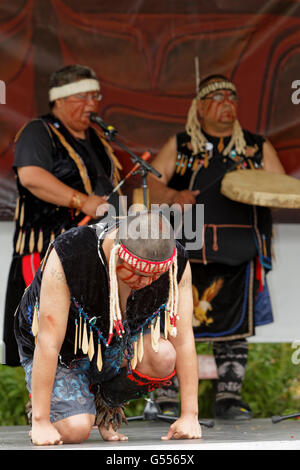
[(106, 416)]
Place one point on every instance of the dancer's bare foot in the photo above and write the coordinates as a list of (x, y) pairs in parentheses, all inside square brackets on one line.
[(111, 435)]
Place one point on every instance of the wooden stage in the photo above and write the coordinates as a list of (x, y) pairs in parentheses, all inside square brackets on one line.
[(257, 434)]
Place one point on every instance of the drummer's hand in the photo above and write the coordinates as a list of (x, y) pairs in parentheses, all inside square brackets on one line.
[(95, 206), (186, 427), (185, 197)]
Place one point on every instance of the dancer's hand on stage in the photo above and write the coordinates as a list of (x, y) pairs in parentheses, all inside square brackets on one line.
[(186, 427), (94, 204), (45, 434)]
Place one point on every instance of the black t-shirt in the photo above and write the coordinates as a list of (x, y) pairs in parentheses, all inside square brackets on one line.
[(35, 147), (38, 145)]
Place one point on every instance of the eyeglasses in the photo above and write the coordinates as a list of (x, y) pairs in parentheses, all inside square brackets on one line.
[(88, 96), (220, 97)]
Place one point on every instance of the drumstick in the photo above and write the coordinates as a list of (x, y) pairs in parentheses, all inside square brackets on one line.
[(212, 183), (146, 155)]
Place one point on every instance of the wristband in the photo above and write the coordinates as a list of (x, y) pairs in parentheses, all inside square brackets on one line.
[(77, 201)]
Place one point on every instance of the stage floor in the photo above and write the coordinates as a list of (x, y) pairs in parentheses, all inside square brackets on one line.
[(257, 434)]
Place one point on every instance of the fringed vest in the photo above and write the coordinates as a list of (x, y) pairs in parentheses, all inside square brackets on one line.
[(86, 274), (233, 232), (39, 222)]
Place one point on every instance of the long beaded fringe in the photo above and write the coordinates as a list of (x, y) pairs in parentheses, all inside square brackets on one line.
[(85, 341)]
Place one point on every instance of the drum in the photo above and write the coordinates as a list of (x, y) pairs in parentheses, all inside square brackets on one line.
[(262, 188)]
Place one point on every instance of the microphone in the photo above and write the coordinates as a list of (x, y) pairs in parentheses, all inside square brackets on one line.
[(107, 128), (146, 155)]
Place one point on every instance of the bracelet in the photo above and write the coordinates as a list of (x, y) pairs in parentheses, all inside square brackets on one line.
[(77, 201)]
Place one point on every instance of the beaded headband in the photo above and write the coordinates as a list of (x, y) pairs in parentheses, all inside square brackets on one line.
[(143, 265), (224, 85), (170, 265), (81, 86)]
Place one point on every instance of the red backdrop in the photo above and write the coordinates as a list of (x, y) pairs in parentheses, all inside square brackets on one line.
[(143, 52)]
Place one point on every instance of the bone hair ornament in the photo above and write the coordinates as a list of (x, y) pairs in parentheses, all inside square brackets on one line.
[(145, 266), (193, 125)]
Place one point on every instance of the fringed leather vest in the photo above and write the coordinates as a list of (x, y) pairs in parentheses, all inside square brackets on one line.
[(86, 272)]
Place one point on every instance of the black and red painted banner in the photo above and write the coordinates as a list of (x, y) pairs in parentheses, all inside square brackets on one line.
[(144, 54)]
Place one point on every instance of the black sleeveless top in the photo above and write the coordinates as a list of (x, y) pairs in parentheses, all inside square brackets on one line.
[(86, 274), (233, 232)]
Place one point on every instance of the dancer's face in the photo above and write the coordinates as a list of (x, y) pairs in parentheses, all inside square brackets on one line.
[(135, 279)]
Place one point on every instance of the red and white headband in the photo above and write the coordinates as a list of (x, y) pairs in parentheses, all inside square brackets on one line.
[(143, 265)]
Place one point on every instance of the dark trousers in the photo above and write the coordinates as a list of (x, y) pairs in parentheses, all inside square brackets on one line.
[(231, 360)]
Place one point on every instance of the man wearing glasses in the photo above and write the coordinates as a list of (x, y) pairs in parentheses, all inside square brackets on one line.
[(64, 170), (226, 271)]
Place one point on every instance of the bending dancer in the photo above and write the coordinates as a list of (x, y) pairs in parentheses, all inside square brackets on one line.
[(106, 319), (64, 169), (229, 270)]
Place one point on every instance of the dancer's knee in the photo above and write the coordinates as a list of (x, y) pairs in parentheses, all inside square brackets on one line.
[(75, 429), (160, 363)]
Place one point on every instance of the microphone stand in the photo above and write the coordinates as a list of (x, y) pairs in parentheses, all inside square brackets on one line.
[(144, 167), (277, 419)]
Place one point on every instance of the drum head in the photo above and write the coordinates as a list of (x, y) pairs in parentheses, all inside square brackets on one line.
[(262, 188)]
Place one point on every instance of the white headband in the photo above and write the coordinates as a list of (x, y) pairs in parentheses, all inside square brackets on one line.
[(81, 86)]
